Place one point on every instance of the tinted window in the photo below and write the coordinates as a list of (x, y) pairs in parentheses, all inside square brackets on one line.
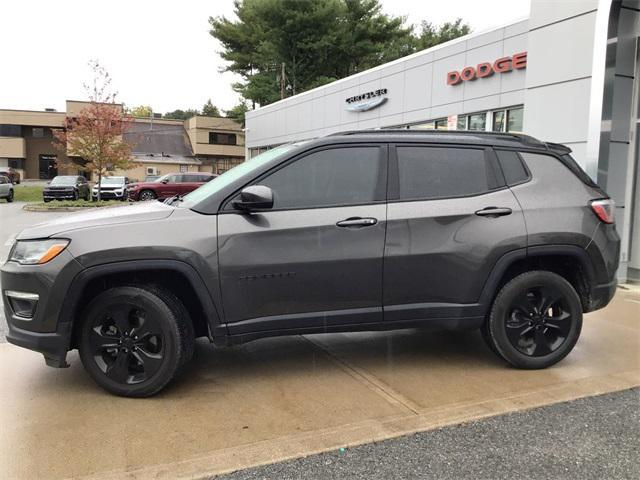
[(3, 179), (222, 138), (340, 176), (433, 172), (512, 167)]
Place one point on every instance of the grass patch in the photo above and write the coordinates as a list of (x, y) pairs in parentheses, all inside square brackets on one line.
[(27, 193), (56, 204)]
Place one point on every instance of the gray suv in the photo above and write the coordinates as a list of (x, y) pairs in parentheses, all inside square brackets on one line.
[(369, 230)]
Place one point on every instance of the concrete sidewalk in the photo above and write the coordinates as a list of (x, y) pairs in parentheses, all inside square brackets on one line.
[(282, 398)]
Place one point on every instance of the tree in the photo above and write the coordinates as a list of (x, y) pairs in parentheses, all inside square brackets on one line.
[(237, 113), (431, 35), (95, 134), (181, 114), (141, 111), (284, 47), (210, 110)]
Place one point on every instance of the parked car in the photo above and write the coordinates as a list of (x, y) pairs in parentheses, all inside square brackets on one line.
[(6, 188), (498, 232), (151, 178), (66, 187), (11, 173), (111, 188), (169, 185)]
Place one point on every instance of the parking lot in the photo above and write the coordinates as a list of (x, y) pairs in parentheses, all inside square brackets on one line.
[(282, 398)]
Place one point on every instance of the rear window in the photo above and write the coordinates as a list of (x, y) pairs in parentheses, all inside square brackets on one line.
[(436, 172), (512, 167)]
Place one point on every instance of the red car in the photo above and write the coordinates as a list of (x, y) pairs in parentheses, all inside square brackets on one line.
[(169, 185)]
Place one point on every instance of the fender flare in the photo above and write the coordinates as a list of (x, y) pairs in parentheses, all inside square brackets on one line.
[(509, 258), (80, 281)]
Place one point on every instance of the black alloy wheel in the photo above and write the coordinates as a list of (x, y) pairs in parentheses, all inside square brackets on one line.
[(127, 344), (539, 322), (135, 339), (535, 320)]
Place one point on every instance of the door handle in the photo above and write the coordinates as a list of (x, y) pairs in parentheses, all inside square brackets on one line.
[(494, 212), (357, 222)]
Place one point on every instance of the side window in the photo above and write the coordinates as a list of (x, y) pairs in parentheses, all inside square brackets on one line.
[(173, 178), (438, 172), (337, 176), (2, 181), (512, 167)]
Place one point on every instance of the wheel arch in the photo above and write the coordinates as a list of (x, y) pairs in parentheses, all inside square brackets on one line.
[(180, 277), (569, 261)]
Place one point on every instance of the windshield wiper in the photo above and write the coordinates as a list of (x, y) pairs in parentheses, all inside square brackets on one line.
[(171, 200)]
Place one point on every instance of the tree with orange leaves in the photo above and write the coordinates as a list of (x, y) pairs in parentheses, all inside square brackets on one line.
[(96, 135)]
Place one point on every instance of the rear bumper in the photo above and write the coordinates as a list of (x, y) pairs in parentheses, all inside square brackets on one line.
[(602, 294)]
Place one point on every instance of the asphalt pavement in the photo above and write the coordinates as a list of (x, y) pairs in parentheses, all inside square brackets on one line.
[(590, 438)]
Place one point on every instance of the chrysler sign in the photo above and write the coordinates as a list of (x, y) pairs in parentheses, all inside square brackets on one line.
[(366, 101), (486, 69)]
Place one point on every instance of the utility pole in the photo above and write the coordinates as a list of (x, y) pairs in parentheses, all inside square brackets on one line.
[(282, 82)]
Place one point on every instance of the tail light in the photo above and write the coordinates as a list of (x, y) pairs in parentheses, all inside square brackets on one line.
[(604, 209)]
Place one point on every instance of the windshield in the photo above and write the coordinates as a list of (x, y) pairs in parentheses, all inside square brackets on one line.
[(230, 176), (64, 181), (112, 180)]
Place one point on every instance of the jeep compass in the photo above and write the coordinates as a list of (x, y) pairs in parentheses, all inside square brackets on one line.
[(368, 230)]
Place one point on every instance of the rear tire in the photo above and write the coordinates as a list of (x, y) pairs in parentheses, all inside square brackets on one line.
[(135, 340), (10, 197), (535, 320)]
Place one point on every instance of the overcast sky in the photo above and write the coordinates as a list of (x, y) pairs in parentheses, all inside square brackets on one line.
[(158, 52)]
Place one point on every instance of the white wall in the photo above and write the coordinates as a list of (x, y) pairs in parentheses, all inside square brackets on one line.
[(417, 91)]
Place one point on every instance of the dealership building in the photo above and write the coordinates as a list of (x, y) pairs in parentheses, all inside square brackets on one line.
[(567, 74)]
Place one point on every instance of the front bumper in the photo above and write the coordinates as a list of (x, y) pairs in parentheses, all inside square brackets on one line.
[(47, 332), (110, 195), (58, 195)]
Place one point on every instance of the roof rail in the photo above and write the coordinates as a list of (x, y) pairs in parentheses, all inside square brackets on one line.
[(403, 131)]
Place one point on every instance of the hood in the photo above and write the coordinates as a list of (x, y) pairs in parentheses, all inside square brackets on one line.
[(140, 212)]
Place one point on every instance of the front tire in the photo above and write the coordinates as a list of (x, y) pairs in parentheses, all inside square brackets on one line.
[(535, 320), (134, 340), (147, 195), (10, 197)]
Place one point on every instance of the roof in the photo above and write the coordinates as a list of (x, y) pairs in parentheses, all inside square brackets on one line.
[(150, 137), (168, 159)]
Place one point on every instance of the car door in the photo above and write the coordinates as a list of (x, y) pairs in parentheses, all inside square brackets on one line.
[(189, 183), (169, 187), (450, 218), (315, 259)]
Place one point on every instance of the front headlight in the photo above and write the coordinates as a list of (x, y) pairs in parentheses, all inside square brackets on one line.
[(34, 252)]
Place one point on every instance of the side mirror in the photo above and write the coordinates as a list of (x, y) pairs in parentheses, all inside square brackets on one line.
[(255, 197), (165, 181)]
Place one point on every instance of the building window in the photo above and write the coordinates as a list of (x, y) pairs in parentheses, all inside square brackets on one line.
[(10, 131), (216, 138), (184, 168), (37, 132), (423, 126), (441, 124), (498, 121), (462, 122), (478, 121), (514, 120)]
